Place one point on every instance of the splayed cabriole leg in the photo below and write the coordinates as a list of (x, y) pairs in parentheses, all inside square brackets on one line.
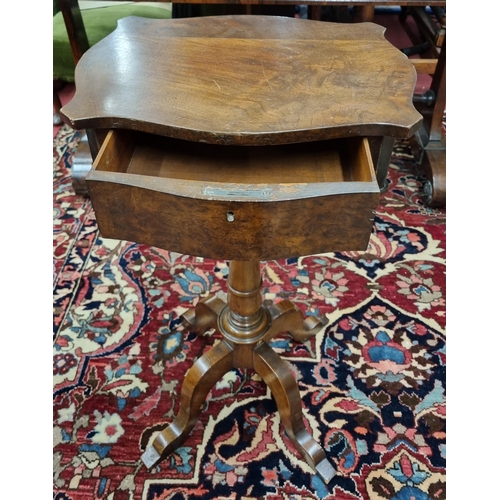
[(204, 316), (286, 317), (246, 326), (198, 382), (279, 378)]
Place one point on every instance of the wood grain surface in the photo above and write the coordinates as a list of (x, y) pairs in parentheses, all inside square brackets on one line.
[(245, 80), (199, 208)]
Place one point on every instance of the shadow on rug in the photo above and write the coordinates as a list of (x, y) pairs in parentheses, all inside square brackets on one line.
[(372, 382)]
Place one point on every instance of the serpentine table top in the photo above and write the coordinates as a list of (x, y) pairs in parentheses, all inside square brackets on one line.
[(245, 80)]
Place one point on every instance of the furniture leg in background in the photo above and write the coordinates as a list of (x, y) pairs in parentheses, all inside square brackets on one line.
[(75, 30), (77, 35), (432, 139), (429, 143)]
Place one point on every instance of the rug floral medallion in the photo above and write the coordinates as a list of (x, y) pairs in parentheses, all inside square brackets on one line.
[(372, 381)]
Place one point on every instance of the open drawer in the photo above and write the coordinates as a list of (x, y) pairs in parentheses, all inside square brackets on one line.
[(234, 202)]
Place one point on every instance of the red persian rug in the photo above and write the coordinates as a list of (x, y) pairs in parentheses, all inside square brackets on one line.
[(372, 382)]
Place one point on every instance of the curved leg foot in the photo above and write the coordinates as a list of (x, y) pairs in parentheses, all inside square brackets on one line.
[(199, 380), (204, 315), (286, 317), (434, 166), (280, 380)]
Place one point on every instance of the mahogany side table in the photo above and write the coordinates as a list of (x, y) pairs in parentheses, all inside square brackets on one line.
[(243, 138)]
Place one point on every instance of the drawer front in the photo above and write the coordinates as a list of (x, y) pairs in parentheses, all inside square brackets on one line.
[(237, 203), (233, 230)]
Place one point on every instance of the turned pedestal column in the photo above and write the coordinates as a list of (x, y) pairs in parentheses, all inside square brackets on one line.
[(246, 326)]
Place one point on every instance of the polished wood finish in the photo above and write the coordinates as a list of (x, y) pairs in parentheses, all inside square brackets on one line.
[(198, 382), (246, 327), (285, 200), (279, 377), (364, 12), (282, 80), (434, 167), (242, 138), (79, 42)]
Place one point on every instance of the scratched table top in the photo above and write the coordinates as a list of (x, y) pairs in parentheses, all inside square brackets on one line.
[(245, 80)]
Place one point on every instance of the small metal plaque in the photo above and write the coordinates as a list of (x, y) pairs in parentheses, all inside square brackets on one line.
[(263, 193)]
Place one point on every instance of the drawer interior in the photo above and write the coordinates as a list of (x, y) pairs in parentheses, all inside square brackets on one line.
[(328, 161)]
